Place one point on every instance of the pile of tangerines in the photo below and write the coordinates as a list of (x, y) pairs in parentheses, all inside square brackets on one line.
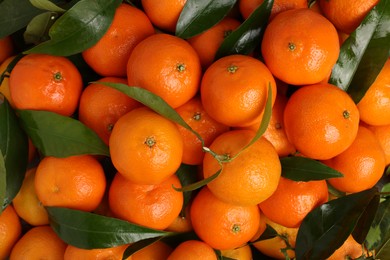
[(224, 101)]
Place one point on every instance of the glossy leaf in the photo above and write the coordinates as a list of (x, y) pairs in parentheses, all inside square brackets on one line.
[(60, 136), (14, 150), (135, 247), (87, 230), (304, 169), (247, 37), (3, 180), (326, 227), (36, 30), (14, 15), (46, 5), (379, 234), (364, 53), (154, 102), (79, 28), (198, 16)]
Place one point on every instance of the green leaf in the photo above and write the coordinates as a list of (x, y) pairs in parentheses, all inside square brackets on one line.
[(305, 169), (79, 28), (37, 29), (14, 150), (87, 230), (187, 175), (384, 251), (3, 180), (326, 227), (245, 38), (139, 245), (46, 5), (14, 15), (154, 102), (198, 16), (199, 184), (60, 136), (364, 53), (379, 234)]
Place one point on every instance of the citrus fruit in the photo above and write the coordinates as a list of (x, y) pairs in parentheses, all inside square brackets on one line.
[(6, 48), (39, 242), (321, 120), (223, 225), (193, 250), (382, 133), (108, 57), (240, 253), (247, 179), (151, 205), (167, 66), (349, 250), (234, 90), (362, 164), (145, 147), (10, 230), (27, 204), (246, 7), (45, 82), (196, 117), (156, 251), (101, 106), (348, 14), (374, 107), (111, 253), (76, 182), (4, 86), (293, 200), (206, 44), (164, 14), (300, 46)]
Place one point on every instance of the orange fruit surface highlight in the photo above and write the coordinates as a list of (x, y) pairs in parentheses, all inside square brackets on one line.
[(197, 118), (234, 90), (300, 46), (164, 13), (101, 106), (46, 82), (166, 65), (154, 205), (374, 107), (76, 182), (27, 204), (145, 147), (223, 225), (346, 15), (39, 242), (321, 120), (108, 57), (247, 179), (10, 230), (293, 200), (362, 164), (193, 250), (206, 44)]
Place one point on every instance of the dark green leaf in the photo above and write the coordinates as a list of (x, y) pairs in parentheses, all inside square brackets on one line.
[(268, 233), (305, 169), (366, 219), (384, 251), (187, 175), (379, 234), (198, 16), (37, 29), (199, 184), (326, 227), (245, 38), (14, 149), (154, 102), (60, 136), (87, 230), (10, 66), (364, 53), (79, 28), (46, 5), (3, 180), (14, 15), (135, 247)]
